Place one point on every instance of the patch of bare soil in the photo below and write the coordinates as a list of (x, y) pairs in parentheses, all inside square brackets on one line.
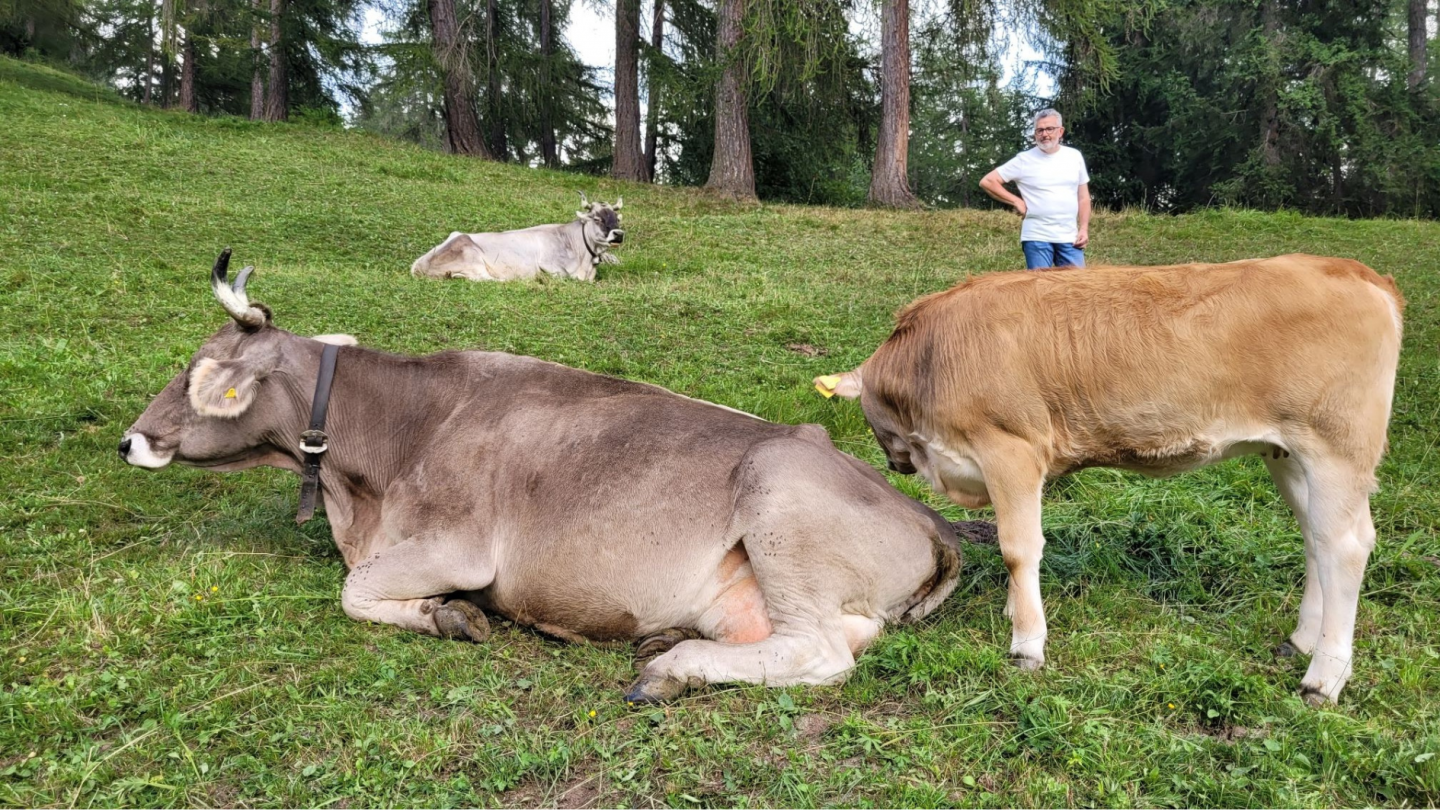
[(812, 726), (979, 532), (807, 350)]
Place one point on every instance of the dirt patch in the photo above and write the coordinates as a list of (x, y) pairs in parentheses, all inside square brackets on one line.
[(812, 726), (979, 532), (807, 350), (578, 793)]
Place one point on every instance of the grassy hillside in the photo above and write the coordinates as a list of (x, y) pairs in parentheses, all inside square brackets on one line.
[(173, 639)]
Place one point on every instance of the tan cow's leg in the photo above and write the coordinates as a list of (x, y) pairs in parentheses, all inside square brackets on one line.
[(402, 585), (1290, 481), (1344, 536), (1015, 484)]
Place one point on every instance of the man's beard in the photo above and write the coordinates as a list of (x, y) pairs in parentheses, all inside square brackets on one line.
[(1049, 148)]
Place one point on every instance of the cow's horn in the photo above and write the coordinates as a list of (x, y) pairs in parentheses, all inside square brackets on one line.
[(583, 201), (619, 201), (239, 285), (234, 300)]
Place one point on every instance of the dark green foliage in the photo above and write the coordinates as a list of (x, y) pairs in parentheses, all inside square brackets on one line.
[(1263, 104), (406, 98)]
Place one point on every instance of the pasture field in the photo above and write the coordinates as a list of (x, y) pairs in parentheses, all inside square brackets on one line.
[(172, 638)]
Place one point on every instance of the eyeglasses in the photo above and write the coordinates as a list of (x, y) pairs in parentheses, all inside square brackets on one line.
[(1047, 130)]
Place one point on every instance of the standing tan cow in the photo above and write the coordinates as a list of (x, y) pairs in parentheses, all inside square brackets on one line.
[(582, 505), (994, 387)]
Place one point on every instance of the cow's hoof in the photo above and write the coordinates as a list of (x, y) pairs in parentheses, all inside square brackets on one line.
[(1286, 650), (462, 620), (655, 689), (662, 642), (1025, 663), (1314, 697)]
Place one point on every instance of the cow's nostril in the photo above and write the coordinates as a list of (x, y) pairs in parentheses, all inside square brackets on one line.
[(125, 447)]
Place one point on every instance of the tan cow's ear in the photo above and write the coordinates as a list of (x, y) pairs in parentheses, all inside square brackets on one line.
[(845, 385), (223, 388)]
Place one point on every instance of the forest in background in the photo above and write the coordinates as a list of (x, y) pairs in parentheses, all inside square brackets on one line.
[(1319, 106)]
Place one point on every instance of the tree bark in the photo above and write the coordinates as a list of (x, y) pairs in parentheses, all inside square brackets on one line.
[(150, 57), (732, 170), (652, 91), (1419, 10), (549, 150), (257, 65), (277, 100), (462, 127), (889, 181), (493, 97), (1270, 104), (188, 102), (628, 162)]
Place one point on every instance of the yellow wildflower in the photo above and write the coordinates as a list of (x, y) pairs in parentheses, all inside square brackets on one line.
[(592, 712), (214, 588)]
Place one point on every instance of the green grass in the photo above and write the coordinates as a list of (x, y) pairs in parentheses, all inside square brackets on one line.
[(119, 687)]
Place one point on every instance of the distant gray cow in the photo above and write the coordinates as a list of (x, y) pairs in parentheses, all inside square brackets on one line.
[(584, 506), (571, 250)]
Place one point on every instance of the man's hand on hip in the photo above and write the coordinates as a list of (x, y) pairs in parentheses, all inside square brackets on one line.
[(1020, 206), (1083, 238)]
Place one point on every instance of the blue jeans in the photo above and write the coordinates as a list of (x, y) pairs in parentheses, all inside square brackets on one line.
[(1052, 254)]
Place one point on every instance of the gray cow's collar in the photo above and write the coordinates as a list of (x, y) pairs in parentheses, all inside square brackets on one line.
[(314, 442), (585, 240)]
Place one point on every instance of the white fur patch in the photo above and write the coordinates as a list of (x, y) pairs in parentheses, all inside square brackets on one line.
[(141, 455), (338, 340), (220, 389)]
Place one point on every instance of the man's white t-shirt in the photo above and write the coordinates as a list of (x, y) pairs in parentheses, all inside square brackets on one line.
[(1050, 185)]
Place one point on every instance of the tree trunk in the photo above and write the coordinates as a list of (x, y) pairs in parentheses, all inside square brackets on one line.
[(889, 183), (652, 91), (1270, 104), (188, 102), (549, 151), (462, 127), (277, 101), (257, 66), (1419, 10), (628, 162), (150, 57), (494, 100), (732, 170)]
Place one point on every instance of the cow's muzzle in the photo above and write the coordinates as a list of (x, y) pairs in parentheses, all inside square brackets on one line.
[(903, 467), (135, 449), (616, 237)]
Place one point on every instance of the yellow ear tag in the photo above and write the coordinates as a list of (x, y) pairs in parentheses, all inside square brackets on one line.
[(230, 394), (826, 385)]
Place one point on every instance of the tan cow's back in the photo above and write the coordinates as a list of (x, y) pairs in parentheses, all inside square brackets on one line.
[(1135, 366)]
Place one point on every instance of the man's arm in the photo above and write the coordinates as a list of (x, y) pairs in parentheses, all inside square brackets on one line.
[(1083, 218), (993, 185)]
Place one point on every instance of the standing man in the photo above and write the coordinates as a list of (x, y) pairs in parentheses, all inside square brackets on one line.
[(1054, 196)]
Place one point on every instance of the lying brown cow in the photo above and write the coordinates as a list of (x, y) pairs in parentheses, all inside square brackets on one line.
[(585, 506), (1006, 381)]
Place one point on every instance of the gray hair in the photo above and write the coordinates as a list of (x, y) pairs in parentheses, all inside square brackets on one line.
[(1048, 112)]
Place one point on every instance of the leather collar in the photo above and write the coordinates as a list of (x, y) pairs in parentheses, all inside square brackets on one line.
[(314, 442)]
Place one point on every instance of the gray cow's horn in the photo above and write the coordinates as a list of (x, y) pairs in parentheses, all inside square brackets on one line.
[(233, 299)]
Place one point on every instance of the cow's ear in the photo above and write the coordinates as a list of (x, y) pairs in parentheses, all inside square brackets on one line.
[(224, 388), (582, 214), (846, 385)]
